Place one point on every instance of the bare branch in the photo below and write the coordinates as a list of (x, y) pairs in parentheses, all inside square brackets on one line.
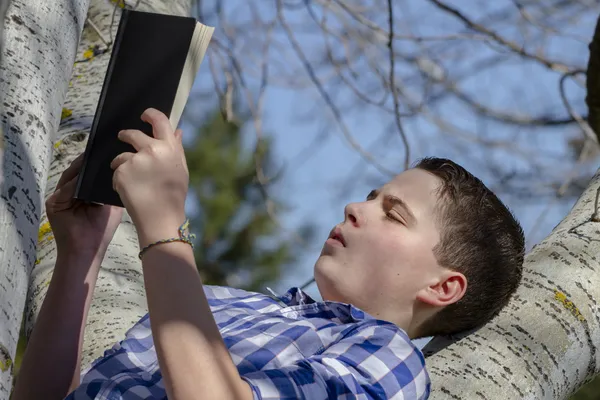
[(393, 85), (585, 127), (560, 192), (553, 65), (336, 113)]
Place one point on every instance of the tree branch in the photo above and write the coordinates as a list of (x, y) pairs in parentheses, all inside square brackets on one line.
[(393, 85), (331, 105), (553, 65)]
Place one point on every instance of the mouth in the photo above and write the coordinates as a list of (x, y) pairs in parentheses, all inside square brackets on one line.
[(336, 237)]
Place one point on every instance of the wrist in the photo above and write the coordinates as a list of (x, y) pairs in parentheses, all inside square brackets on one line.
[(81, 244), (92, 255), (78, 264), (172, 249), (152, 231)]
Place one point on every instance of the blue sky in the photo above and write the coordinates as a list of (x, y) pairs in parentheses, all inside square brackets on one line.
[(319, 184)]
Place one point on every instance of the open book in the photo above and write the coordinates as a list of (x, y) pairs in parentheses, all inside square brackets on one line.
[(154, 61)]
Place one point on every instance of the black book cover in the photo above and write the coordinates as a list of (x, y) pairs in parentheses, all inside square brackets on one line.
[(144, 71)]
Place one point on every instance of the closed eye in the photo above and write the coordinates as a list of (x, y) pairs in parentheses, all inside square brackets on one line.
[(394, 217), (390, 214)]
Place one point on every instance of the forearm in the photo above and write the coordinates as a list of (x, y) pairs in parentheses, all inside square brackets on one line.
[(193, 358), (51, 364)]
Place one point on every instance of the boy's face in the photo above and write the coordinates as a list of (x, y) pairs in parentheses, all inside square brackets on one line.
[(385, 260)]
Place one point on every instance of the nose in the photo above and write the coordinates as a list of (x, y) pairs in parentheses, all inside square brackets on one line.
[(351, 214)]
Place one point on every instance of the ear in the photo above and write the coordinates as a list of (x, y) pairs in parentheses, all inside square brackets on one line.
[(448, 289)]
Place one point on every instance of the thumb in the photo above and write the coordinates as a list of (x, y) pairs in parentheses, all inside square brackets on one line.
[(62, 198)]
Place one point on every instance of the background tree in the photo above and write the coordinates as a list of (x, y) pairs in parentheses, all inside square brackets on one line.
[(502, 81), (238, 243)]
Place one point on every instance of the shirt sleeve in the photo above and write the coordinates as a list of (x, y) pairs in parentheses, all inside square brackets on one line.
[(372, 361)]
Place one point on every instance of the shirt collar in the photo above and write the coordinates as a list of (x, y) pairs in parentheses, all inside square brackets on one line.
[(345, 312), (295, 297)]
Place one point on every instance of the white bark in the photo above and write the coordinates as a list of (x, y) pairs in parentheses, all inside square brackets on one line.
[(119, 299), (40, 39), (545, 344)]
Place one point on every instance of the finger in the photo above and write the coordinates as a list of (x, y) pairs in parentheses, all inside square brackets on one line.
[(71, 171), (67, 191), (116, 181), (161, 126), (137, 139), (62, 198), (120, 160), (179, 135)]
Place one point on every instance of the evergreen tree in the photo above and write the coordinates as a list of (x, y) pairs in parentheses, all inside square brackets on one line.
[(237, 242)]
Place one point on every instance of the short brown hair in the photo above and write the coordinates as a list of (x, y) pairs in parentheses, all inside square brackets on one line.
[(480, 238)]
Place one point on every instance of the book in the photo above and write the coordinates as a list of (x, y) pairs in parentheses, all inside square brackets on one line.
[(153, 63)]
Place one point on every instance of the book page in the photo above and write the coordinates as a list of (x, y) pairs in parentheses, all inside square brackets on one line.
[(198, 47)]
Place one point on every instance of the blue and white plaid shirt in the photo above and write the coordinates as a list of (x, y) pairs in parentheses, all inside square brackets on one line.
[(289, 347)]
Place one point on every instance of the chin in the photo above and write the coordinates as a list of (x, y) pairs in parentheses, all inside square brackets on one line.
[(325, 269), (327, 280), (321, 278)]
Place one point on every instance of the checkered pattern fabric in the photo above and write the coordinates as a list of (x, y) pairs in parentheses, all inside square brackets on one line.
[(287, 347)]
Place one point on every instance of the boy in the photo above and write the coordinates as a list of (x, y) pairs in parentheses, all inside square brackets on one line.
[(431, 252)]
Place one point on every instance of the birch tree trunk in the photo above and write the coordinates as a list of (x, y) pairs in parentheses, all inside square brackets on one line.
[(119, 298), (40, 40), (545, 344)]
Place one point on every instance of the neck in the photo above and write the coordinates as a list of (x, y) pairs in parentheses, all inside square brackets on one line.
[(403, 320), (420, 314)]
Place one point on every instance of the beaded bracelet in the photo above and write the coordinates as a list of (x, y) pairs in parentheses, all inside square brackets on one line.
[(184, 236)]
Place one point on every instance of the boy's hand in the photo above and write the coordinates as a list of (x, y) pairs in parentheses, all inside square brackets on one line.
[(79, 227), (153, 182)]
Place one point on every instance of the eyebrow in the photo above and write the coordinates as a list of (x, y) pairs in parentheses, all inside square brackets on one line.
[(396, 201)]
